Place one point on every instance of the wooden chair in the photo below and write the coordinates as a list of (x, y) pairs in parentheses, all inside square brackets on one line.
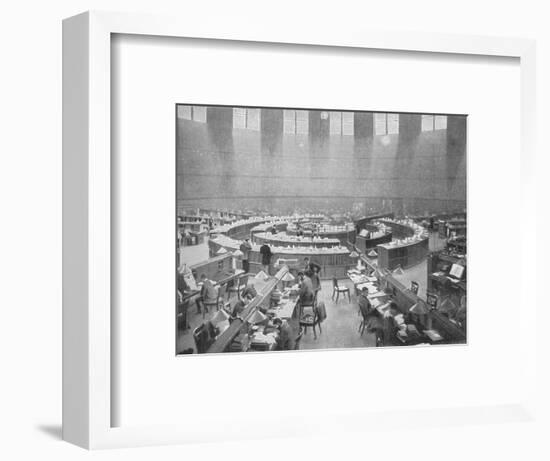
[(336, 290), (238, 286), (309, 317), (432, 300)]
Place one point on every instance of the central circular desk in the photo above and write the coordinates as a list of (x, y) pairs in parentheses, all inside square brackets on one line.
[(409, 247), (287, 249)]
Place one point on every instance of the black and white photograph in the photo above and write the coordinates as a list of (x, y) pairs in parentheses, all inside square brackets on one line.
[(315, 228)]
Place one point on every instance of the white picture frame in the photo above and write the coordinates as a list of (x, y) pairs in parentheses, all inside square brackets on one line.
[(87, 365)]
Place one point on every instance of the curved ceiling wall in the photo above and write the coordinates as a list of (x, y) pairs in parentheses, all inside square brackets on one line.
[(409, 172)]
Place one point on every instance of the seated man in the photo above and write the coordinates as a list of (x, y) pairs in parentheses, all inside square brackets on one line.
[(249, 290), (306, 293), (371, 317), (241, 304), (311, 266), (365, 306), (266, 253), (286, 340), (375, 325)]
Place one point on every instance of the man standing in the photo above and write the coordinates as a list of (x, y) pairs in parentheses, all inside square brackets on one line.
[(316, 282), (209, 294), (266, 257), (311, 266), (246, 247)]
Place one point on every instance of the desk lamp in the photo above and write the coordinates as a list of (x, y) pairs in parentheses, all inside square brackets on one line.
[(261, 275), (288, 277), (257, 317)]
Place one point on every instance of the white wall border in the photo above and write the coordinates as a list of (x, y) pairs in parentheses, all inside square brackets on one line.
[(86, 208)]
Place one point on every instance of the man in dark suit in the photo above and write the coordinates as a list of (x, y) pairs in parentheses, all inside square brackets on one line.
[(364, 303), (311, 266), (241, 304), (286, 341), (265, 251), (246, 248), (209, 294), (306, 294)]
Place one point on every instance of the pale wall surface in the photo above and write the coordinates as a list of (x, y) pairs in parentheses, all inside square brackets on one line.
[(409, 172)]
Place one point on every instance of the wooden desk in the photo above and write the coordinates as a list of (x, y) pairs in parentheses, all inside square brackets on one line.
[(460, 246), (334, 262), (438, 283), (361, 222), (282, 239), (399, 230), (285, 310), (228, 278), (457, 225), (363, 243), (404, 299), (214, 268), (405, 255), (450, 331), (190, 296), (223, 341)]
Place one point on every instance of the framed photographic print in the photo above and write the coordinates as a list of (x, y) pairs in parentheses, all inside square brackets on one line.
[(268, 218)]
